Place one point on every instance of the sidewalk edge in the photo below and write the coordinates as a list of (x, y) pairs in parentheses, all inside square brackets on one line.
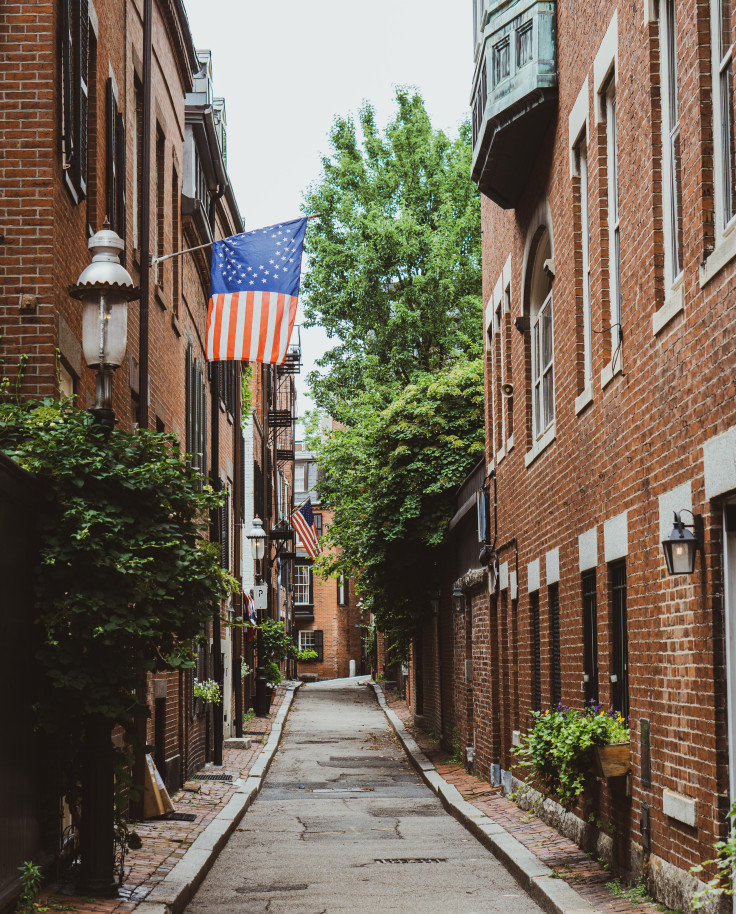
[(179, 886), (554, 895)]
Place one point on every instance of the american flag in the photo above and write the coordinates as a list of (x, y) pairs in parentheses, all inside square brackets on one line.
[(254, 292), (303, 522)]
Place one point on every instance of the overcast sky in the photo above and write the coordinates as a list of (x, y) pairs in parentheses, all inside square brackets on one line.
[(287, 67)]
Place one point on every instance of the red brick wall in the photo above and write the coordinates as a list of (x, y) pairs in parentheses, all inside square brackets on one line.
[(640, 437)]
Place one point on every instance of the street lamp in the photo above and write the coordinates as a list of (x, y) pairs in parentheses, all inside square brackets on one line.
[(682, 545), (458, 599), (105, 287), (257, 537)]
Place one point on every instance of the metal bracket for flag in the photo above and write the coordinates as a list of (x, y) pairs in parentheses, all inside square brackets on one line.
[(154, 261)]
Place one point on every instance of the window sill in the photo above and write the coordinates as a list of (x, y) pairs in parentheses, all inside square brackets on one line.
[(585, 398), (722, 254), (500, 455), (611, 370), (160, 297), (540, 445), (673, 304), (510, 445)]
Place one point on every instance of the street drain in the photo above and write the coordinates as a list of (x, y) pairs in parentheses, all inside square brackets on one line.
[(411, 860), (176, 817), (213, 777)]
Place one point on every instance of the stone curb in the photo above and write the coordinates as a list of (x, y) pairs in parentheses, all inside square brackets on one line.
[(178, 887), (553, 895)]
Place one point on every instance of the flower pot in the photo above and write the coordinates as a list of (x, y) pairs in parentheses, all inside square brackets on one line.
[(612, 761)]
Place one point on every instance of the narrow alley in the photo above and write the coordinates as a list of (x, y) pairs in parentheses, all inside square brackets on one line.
[(343, 823)]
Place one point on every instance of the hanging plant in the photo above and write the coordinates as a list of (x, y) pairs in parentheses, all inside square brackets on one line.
[(208, 691)]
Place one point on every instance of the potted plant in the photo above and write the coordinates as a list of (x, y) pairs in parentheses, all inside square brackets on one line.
[(561, 747)]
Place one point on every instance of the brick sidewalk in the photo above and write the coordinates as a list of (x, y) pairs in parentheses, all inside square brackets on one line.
[(166, 842), (575, 867)]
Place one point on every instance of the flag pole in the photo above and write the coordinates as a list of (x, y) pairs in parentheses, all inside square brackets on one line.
[(156, 260)]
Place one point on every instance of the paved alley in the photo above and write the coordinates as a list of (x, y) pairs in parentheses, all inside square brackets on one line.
[(344, 824)]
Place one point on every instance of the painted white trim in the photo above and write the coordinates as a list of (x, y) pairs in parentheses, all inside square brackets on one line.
[(500, 455), (605, 64), (533, 580), (729, 604), (588, 549), (719, 465), (723, 253), (503, 576), (616, 537), (584, 399), (577, 122), (673, 304), (94, 22), (552, 565), (542, 217), (506, 272), (540, 444)]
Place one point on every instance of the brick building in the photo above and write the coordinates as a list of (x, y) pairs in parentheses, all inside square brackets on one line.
[(79, 146), (327, 614), (604, 152)]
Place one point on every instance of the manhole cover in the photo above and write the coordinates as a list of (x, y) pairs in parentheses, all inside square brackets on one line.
[(411, 860), (213, 777), (176, 817)]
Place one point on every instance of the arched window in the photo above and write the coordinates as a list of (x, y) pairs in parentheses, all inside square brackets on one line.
[(542, 339)]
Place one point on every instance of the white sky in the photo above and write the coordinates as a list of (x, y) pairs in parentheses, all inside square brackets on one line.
[(287, 67)]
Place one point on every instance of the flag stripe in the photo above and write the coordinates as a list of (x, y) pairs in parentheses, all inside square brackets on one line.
[(250, 326)]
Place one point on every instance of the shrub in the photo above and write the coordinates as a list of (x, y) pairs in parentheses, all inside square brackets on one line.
[(559, 747)]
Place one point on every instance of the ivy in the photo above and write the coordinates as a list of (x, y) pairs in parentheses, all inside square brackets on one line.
[(124, 579)]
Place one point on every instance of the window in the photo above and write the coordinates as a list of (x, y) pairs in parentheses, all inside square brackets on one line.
[(343, 590), (671, 143), (302, 585), (501, 61), (590, 638), (581, 158), (620, 641), (724, 171), (75, 94), (175, 261), (536, 657), (554, 627), (137, 163), (158, 215), (318, 523), (542, 342), (115, 165), (300, 477), (224, 511), (524, 49), (93, 218), (614, 246), (508, 377), (196, 413), (312, 641)]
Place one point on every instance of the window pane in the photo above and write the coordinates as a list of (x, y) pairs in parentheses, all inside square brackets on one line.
[(548, 399), (545, 320), (524, 51)]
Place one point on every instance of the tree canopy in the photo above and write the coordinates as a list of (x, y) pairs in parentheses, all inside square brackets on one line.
[(394, 259), (395, 278)]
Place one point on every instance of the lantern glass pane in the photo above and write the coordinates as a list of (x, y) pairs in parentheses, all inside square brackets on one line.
[(104, 330)]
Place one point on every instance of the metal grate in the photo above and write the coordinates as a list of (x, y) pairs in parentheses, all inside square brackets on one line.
[(410, 860), (176, 817), (213, 777)]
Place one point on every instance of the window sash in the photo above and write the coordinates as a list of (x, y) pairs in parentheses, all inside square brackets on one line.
[(543, 367), (585, 250), (614, 245), (302, 585), (723, 124), (672, 158)]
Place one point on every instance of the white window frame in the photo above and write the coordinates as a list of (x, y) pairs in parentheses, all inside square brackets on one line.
[(722, 89), (541, 370), (582, 160), (302, 571), (307, 643), (300, 477), (670, 105), (614, 236)]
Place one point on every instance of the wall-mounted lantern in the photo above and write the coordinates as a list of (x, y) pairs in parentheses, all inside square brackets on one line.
[(683, 543), (458, 599)]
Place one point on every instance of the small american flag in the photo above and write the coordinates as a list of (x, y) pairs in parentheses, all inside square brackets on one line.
[(303, 522), (254, 291)]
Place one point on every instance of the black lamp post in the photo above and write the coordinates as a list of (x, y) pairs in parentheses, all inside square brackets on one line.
[(257, 537), (105, 288), (683, 543)]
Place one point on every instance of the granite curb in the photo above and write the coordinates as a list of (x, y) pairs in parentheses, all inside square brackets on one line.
[(552, 894), (178, 887)]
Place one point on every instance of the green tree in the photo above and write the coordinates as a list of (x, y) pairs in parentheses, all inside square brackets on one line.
[(124, 579), (391, 476), (395, 260)]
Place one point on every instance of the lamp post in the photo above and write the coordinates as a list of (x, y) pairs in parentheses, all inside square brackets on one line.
[(105, 288), (257, 537)]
